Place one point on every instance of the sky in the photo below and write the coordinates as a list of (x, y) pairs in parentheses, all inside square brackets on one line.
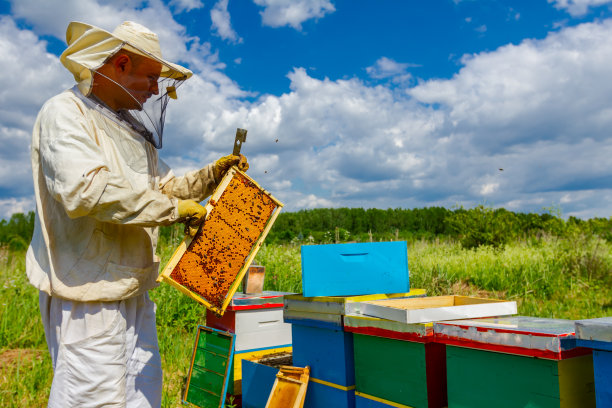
[(369, 103)]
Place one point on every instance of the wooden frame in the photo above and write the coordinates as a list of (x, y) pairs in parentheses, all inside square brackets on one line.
[(289, 389), (185, 246)]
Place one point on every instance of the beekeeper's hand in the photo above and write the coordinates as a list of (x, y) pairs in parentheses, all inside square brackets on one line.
[(223, 165), (192, 215)]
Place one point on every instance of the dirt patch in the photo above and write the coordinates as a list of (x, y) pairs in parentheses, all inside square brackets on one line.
[(12, 357)]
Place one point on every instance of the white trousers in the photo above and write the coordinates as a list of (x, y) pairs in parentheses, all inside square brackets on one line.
[(104, 354)]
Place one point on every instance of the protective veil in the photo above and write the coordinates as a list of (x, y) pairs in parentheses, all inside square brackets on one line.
[(90, 47)]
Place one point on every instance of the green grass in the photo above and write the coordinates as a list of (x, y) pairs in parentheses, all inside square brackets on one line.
[(549, 277)]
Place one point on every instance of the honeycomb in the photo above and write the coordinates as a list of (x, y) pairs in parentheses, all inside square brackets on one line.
[(220, 248)]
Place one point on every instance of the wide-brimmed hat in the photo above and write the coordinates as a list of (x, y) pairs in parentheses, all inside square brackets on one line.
[(89, 47)]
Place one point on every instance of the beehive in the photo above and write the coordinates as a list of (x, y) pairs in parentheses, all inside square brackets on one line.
[(210, 267)]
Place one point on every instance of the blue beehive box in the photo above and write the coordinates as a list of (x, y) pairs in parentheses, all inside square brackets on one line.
[(328, 353), (355, 269), (325, 395), (257, 383)]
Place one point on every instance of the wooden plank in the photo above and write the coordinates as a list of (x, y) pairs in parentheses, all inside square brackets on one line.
[(289, 390), (210, 267)]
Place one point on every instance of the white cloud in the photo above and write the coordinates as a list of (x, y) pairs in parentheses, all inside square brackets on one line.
[(181, 6), (577, 8), (51, 17), (489, 188), (388, 68), (11, 206), (278, 13), (40, 76), (221, 23), (540, 110)]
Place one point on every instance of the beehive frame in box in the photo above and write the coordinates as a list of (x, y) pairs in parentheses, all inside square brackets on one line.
[(210, 266)]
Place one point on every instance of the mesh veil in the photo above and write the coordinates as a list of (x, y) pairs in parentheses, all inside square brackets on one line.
[(148, 120)]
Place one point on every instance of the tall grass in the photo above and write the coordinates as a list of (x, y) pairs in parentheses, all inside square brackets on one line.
[(548, 277)]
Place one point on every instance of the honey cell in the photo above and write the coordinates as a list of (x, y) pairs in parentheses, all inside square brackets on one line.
[(219, 250)]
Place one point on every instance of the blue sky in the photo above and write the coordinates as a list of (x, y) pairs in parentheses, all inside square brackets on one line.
[(381, 103)]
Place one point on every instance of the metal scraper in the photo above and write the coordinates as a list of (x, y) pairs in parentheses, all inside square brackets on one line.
[(240, 139)]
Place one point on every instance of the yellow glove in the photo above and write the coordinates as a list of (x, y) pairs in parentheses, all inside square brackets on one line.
[(192, 214), (223, 165)]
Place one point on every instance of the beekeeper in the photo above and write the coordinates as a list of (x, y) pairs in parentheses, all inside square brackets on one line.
[(101, 192)]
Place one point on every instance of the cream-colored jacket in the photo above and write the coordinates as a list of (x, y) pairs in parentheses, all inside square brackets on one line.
[(101, 192)]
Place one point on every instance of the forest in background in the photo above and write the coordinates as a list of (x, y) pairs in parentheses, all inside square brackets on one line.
[(473, 227)]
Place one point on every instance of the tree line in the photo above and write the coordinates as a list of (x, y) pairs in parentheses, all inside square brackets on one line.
[(480, 225)]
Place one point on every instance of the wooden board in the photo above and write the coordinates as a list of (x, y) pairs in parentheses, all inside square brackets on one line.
[(437, 308), (210, 267), (289, 390)]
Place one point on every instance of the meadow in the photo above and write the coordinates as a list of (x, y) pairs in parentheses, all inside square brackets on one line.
[(567, 276)]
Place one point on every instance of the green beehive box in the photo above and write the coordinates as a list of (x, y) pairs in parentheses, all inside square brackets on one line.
[(410, 373), (209, 371), (518, 361), (479, 378)]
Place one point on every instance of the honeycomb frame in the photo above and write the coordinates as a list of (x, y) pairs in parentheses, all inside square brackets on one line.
[(210, 266)]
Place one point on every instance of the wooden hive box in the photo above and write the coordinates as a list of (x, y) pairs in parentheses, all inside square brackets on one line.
[(397, 364), (210, 266), (355, 269), (515, 362)]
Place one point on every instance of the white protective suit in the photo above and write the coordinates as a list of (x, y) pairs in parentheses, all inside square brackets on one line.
[(101, 191)]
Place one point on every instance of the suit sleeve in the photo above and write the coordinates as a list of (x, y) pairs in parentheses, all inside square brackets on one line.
[(194, 185)]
